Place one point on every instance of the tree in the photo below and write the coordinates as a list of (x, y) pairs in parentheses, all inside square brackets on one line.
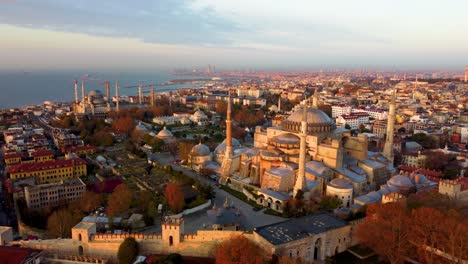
[(330, 202), (128, 251), (239, 249), (142, 199), (174, 197), (426, 230), (185, 146), (173, 258), (386, 231), (221, 107), (89, 201), (124, 125), (436, 160), (119, 201), (60, 222)]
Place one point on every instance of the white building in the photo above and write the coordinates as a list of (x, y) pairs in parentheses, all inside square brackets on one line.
[(339, 110), (199, 118), (351, 120), (341, 189), (250, 92)]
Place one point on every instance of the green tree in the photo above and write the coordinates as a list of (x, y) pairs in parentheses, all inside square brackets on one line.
[(330, 202), (128, 251)]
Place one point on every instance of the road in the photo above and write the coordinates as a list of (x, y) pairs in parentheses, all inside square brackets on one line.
[(199, 220)]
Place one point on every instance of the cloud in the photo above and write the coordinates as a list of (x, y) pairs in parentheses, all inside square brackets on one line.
[(162, 21)]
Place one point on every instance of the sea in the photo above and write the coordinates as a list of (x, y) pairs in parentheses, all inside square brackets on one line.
[(19, 89)]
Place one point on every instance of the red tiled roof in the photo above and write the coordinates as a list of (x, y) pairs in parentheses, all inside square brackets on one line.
[(42, 152), (16, 255), (429, 173), (11, 156), (39, 166), (79, 148)]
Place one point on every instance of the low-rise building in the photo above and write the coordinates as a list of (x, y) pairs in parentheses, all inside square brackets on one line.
[(49, 171), (54, 194)]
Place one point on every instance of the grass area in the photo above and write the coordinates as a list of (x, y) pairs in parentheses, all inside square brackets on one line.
[(241, 196)]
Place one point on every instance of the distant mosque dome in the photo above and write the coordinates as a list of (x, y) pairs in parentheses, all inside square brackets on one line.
[(221, 148), (200, 150), (199, 113), (95, 93), (317, 121), (400, 181), (164, 133)]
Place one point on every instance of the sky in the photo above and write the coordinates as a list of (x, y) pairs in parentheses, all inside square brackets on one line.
[(233, 34)]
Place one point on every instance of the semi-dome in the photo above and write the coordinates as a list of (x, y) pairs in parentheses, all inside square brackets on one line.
[(400, 181), (200, 150), (340, 184), (317, 121), (286, 139)]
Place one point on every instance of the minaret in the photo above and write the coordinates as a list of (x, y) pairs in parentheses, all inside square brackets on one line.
[(226, 166), (117, 96), (315, 100), (108, 91), (466, 74), (76, 92), (300, 180), (388, 148), (82, 92), (152, 97), (229, 128), (140, 94), (279, 104)]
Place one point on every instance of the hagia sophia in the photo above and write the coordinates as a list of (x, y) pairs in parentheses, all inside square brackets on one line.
[(307, 152)]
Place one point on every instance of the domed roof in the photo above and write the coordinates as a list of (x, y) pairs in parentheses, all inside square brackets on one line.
[(95, 93), (222, 147), (200, 150), (400, 181), (98, 101), (199, 113), (317, 121), (314, 116), (340, 184), (164, 133)]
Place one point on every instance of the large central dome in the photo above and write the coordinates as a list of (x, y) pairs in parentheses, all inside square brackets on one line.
[(317, 121)]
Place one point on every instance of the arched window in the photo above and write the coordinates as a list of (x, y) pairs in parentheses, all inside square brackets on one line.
[(79, 237), (80, 250), (171, 241)]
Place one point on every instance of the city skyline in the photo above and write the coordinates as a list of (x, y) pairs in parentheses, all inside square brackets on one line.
[(58, 35)]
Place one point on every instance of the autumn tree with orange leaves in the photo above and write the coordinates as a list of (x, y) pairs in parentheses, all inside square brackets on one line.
[(386, 231), (124, 125), (120, 200), (174, 197), (426, 234), (240, 249)]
